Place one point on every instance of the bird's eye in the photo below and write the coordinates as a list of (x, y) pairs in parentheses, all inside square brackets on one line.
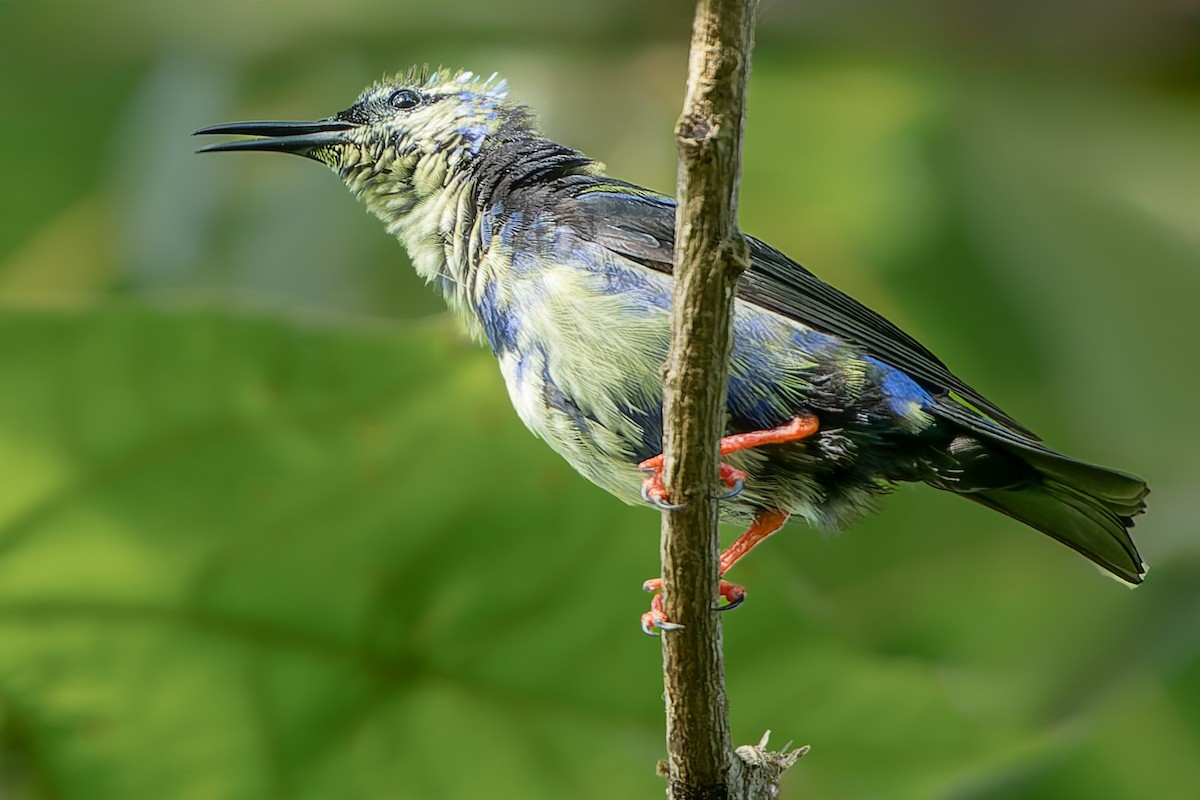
[(404, 98)]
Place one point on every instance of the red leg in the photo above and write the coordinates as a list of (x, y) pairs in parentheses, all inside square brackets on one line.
[(799, 428), (765, 523)]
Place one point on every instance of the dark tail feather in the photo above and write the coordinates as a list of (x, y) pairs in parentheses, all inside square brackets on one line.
[(1086, 507), (1096, 527), (1122, 493)]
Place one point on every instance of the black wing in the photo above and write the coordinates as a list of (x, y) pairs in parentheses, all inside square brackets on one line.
[(640, 225)]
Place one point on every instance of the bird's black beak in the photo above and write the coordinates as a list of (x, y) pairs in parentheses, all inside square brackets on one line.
[(300, 138)]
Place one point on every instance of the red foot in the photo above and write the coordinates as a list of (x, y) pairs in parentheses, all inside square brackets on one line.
[(655, 492), (765, 523), (656, 617), (732, 477)]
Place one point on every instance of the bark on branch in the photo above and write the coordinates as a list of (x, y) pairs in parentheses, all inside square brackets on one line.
[(710, 255)]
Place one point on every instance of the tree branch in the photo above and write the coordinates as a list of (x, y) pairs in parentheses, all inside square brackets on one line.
[(710, 255)]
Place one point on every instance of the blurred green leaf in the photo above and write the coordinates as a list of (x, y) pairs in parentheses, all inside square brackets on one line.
[(294, 554)]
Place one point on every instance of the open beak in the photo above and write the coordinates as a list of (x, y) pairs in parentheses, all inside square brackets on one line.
[(300, 138)]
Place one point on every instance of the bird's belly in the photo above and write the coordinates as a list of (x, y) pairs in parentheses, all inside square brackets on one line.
[(594, 436), (582, 355)]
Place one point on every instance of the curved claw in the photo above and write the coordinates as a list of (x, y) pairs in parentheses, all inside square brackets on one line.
[(663, 505), (650, 626), (731, 604), (734, 490), (657, 501), (656, 617), (734, 595)]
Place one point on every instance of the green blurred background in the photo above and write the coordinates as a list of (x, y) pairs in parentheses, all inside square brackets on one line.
[(269, 528)]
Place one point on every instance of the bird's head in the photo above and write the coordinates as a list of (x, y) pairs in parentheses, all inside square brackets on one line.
[(405, 136)]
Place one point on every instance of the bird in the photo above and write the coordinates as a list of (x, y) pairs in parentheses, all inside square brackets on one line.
[(566, 274)]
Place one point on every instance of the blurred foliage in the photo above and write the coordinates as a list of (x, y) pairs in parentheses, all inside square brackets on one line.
[(269, 528)]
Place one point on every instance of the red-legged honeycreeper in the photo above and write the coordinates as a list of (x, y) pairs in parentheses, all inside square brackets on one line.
[(566, 274)]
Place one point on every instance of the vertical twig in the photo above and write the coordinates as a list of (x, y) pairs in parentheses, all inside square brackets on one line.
[(710, 255)]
